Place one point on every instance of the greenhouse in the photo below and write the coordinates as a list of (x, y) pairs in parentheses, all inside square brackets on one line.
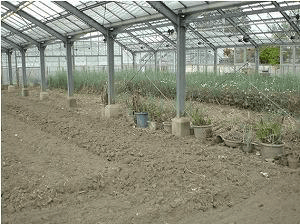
[(77, 70)]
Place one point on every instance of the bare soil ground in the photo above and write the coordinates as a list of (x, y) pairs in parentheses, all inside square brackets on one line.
[(75, 166)]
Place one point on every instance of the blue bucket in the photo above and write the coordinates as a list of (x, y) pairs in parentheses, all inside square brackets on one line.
[(141, 119)]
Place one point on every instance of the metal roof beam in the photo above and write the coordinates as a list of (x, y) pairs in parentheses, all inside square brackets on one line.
[(238, 14), (10, 11), (17, 32), (82, 16), (140, 41), (87, 19), (201, 37), (211, 6), (4, 50), (34, 20), (288, 19), (164, 10), (230, 20), (161, 34), (19, 47)]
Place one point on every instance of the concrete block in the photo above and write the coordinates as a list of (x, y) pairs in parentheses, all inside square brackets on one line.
[(44, 95), (11, 89), (181, 126), (71, 102), (4, 87), (25, 92), (113, 111)]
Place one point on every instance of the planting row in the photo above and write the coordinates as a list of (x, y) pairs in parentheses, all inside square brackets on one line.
[(258, 93), (265, 135)]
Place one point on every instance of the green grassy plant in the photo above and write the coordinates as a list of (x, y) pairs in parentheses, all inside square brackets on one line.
[(269, 132), (229, 89), (199, 118)]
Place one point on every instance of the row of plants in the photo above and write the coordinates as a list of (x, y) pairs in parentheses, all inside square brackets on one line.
[(267, 130), (269, 93)]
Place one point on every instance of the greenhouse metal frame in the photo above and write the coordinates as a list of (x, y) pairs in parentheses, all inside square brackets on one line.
[(148, 28)]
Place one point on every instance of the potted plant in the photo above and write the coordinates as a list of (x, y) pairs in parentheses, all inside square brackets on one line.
[(233, 135), (201, 124), (270, 135), (141, 114)]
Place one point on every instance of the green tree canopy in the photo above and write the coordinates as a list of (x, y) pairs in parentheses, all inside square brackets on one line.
[(270, 55)]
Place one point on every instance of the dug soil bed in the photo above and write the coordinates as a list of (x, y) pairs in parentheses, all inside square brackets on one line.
[(75, 166)]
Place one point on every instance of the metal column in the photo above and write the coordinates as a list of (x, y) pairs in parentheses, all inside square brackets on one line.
[(181, 69), (69, 44), (42, 65), (122, 59), (9, 53), (257, 60), (216, 61), (175, 59), (294, 59), (23, 51), (155, 62), (110, 62), (1, 73), (133, 61), (206, 60), (17, 70)]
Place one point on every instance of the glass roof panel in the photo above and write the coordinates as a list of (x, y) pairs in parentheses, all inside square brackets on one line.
[(59, 26), (193, 3), (76, 23), (120, 12), (4, 32), (16, 39), (264, 28), (37, 33), (174, 5), (134, 9), (17, 21), (4, 44)]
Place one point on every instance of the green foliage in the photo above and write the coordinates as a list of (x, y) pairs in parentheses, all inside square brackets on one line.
[(270, 55), (269, 132), (199, 118), (228, 89), (59, 80)]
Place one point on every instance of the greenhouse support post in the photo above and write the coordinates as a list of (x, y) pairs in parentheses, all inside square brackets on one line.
[(257, 60), (181, 69), (110, 62), (9, 53), (215, 61), (23, 51), (294, 60), (17, 70), (133, 61), (155, 62), (122, 59), (281, 61), (42, 65), (69, 44)]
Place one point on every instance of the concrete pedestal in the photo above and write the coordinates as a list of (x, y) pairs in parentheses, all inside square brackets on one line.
[(298, 125), (25, 92), (113, 111), (181, 126), (71, 102), (44, 95), (11, 89)]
